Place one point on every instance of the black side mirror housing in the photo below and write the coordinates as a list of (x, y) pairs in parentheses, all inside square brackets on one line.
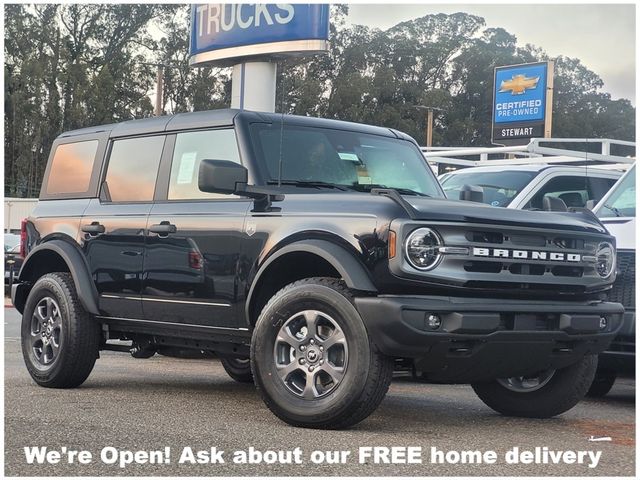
[(472, 193), (221, 176)]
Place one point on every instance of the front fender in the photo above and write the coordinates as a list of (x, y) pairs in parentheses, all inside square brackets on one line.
[(352, 271)]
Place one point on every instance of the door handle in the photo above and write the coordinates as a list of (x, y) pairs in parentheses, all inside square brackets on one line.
[(163, 228), (92, 229)]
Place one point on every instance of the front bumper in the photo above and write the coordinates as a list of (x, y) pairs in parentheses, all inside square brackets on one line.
[(481, 339)]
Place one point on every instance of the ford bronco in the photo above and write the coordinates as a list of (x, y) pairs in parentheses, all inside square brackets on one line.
[(310, 255)]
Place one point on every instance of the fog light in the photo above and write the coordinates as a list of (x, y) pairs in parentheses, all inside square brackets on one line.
[(603, 323), (434, 322)]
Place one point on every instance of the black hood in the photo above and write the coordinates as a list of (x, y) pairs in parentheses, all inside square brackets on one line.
[(440, 209)]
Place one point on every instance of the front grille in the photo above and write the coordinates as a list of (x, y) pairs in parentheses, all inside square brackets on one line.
[(510, 260), (624, 288), (516, 259)]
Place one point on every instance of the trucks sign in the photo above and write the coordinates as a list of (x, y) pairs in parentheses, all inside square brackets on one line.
[(522, 103), (224, 33)]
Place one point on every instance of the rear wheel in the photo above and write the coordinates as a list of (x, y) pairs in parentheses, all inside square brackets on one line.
[(313, 362), (544, 395), (60, 340), (238, 368)]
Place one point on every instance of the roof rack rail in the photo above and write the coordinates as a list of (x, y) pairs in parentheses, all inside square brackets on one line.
[(535, 152)]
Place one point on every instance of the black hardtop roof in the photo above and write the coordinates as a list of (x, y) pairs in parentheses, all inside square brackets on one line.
[(221, 118)]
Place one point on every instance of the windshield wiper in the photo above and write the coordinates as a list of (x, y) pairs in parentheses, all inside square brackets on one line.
[(617, 212), (401, 191), (309, 183)]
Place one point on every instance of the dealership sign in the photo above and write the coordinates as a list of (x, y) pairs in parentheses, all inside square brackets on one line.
[(522, 103), (230, 33)]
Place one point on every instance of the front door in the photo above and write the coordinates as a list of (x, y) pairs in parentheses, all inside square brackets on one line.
[(194, 242)]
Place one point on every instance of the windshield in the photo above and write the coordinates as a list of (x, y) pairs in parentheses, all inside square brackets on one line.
[(621, 202), (346, 159), (499, 187)]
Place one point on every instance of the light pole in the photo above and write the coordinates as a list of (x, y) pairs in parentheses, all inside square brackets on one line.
[(429, 128)]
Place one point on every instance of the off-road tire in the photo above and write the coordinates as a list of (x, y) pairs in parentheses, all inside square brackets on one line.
[(367, 373), (79, 337), (238, 369), (563, 391), (602, 384)]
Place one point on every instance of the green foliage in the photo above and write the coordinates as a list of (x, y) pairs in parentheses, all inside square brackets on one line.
[(75, 65)]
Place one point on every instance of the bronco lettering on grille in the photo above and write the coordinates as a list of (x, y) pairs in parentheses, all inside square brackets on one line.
[(526, 254)]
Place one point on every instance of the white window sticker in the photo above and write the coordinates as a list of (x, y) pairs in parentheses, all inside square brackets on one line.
[(187, 164), (352, 157)]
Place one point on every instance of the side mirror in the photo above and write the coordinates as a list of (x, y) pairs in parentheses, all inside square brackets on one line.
[(472, 193), (590, 205), (553, 204), (221, 176)]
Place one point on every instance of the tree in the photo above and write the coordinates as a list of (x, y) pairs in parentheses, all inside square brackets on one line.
[(74, 65)]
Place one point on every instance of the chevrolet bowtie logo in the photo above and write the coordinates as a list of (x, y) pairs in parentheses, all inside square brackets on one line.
[(518, 84)]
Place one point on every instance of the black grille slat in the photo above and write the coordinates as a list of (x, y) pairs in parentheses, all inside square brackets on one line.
[(624, 290)]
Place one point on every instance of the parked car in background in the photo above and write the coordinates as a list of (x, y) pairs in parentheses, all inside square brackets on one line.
[(524, 186), (617, 211), (12, 258)]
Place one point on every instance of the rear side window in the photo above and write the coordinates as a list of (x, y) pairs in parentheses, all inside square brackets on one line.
[(133, 168), (190, 149), (71, 167)]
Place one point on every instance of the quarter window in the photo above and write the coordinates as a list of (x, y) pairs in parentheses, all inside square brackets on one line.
[(71, 167), (190, 149), (133, 169)]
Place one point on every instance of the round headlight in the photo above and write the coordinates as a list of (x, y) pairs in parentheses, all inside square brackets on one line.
[(422, 248), (605, 259)]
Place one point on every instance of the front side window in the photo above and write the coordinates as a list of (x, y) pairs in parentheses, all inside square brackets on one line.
[(353, 160), (133, 169), (190, 149), (71, 167), (499, 188), (622, 200), (574, 191)]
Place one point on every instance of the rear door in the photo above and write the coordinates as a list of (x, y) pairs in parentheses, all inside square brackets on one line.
[(113, 226), (194, 244)]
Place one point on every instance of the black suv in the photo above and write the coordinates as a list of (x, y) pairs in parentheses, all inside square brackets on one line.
[(310, 255)]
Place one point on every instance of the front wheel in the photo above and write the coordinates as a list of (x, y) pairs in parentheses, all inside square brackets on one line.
[(544, 395), (602, 384), (312, 358)]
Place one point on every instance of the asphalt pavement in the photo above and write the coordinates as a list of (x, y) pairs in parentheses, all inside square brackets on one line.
[(147, 405)]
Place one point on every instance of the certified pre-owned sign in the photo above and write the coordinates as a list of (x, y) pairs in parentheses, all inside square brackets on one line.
[(522, 103), (224, 33)]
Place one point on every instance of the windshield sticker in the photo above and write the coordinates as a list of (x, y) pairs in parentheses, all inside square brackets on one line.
[(187, 165), (352, 157)]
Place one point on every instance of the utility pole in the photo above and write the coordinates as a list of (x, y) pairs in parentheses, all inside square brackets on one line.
[(429, 127), (159, 90), (161, 68)]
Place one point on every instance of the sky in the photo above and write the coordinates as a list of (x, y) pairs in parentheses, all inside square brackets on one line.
[(602, 36)]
